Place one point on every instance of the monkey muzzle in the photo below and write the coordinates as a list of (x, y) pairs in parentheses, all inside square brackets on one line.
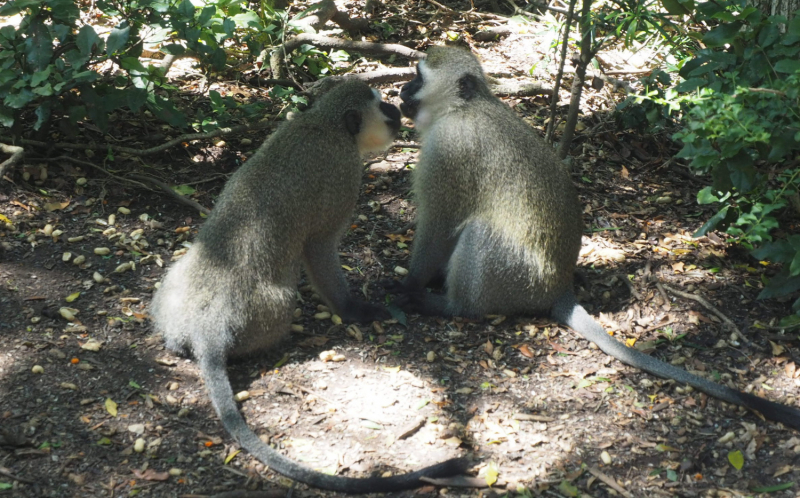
[(408, 94), (392, 116)]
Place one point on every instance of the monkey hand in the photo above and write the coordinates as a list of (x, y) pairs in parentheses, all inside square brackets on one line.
[(411, 301), (361, 311)]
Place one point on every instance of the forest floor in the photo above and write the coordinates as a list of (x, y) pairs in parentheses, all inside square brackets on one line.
[(528, 400)]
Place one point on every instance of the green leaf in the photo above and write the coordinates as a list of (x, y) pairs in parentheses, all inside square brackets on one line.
[(772, 489), (743, 172), (5, 485), (6, 116), (736, 459), (712, 223), (676, 8), (794, 268), (780, 285), (88, 40), (218, 59), (42, 114), (13, 8), (398, 314), (166, 111), (566, 488), (39, 46), (18, 100), (787, 66), (117, 39), (722, 34), (136, 98), (186, 9), (706, 196), (184, 189), (40, 76)]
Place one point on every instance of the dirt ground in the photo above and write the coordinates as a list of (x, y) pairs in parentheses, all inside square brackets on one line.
[(527, 400)]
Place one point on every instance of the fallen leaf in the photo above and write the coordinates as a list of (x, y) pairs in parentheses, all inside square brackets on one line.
[(55, 206), (151, 475), (111, 407), (491, 473), (736, 459), (777, 349), (73, 296)]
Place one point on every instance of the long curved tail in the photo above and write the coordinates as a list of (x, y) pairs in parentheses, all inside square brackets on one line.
[(215, 375), (567, 311)]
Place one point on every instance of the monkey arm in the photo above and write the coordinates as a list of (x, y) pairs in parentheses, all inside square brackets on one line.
[(321, 260)]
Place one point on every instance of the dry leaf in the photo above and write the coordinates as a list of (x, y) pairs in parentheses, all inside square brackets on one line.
[(55, 206), (111, 407)]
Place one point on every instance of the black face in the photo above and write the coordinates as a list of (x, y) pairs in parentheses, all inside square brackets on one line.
[(410, 105), (392, 114)]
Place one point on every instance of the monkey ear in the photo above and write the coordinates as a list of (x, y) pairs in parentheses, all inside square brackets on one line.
[(467, 86), (352, 121)]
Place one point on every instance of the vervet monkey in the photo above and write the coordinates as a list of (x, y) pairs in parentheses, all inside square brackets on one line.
[(234, 291), (499, 217)]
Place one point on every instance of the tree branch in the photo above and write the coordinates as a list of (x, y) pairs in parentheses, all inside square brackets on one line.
[(319, 41), (17, 153)]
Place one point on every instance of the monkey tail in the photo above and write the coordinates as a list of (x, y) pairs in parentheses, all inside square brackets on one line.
[(566, 310), (215, 375)]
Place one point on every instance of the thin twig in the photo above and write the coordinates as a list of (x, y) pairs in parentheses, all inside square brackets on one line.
[(159, 148), (560, 74), (5, 472), (663, 293), (89, 165), (610, 482), (710, 307), (631, 288), (166, 188)]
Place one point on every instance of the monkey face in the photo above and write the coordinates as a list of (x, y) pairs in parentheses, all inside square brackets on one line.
[(377, 126), (408, 94)]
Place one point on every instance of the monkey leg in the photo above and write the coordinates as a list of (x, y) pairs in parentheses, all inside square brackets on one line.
[(321, 260), (434, 242), (492, 273)]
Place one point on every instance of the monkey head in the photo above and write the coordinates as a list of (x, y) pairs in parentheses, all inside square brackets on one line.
[(446, 78)]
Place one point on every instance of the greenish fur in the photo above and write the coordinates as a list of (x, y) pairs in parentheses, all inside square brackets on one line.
[(233, 292), (498, 214)]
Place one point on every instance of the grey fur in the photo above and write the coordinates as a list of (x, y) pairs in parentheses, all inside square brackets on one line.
[(233, 292), (498, 215)]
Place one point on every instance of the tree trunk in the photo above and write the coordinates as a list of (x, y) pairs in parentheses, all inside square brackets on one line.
[(777, 7)]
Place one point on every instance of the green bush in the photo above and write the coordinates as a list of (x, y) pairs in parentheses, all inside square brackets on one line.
[(739, 104), (59, 64)]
